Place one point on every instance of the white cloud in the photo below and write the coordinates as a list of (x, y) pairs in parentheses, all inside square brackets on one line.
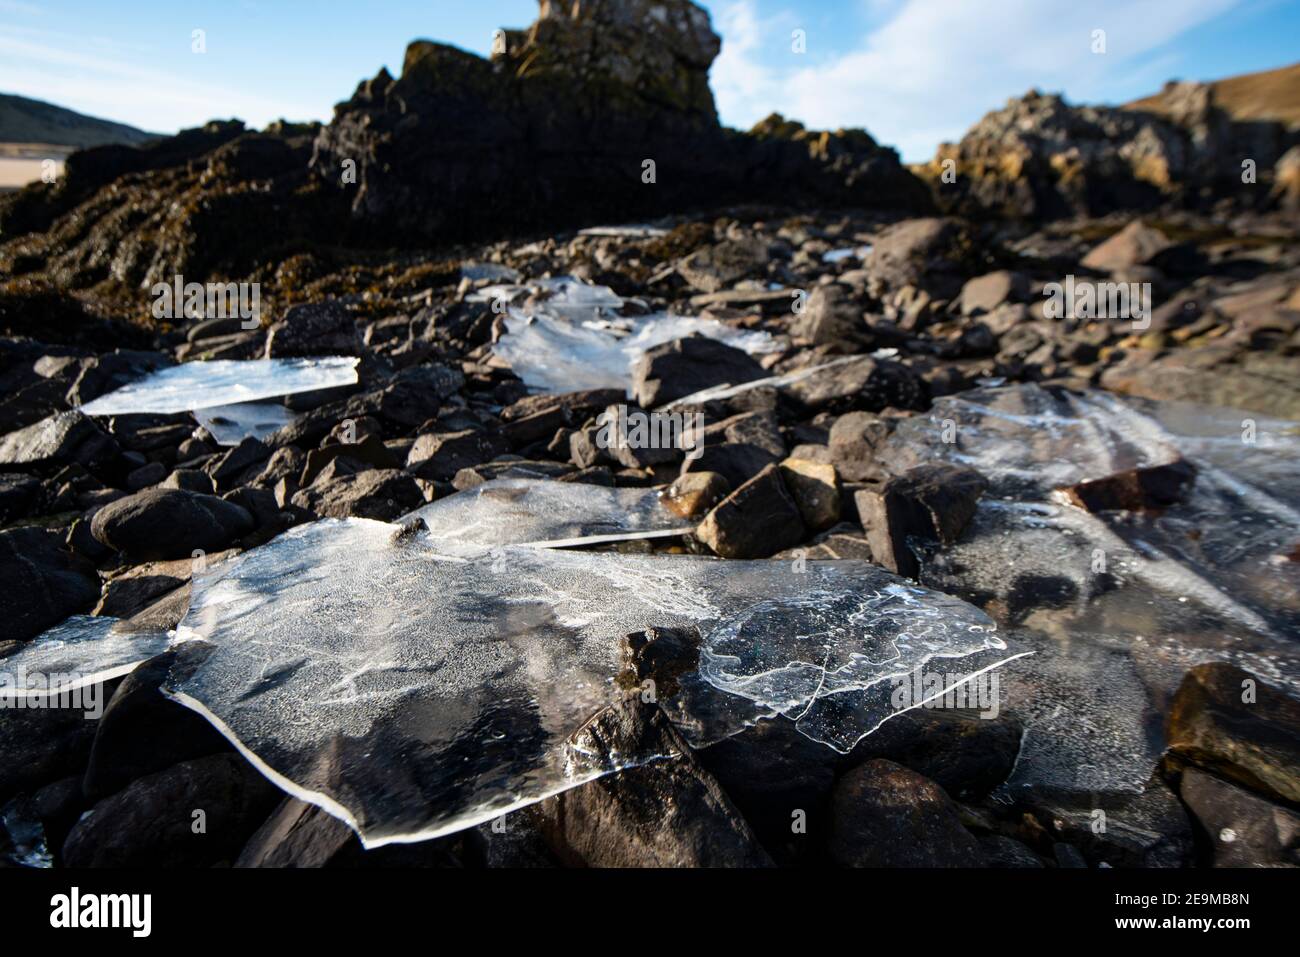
[(936, 66)]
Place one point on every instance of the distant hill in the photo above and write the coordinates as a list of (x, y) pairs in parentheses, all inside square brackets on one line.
[(32, 121), (1268, 95)]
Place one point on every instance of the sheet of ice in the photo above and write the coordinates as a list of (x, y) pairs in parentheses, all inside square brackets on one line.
[(849, 252), (231, 424), (563, 334), (202, 385), (774, 382), (633, 231), (1119, 604), (414, 687), (81, 651), (494, 272), (512, 511)]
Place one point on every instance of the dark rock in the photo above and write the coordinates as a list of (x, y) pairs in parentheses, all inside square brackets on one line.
[(18, 494), (239, 465), (143, 732), (382, 494), (1137, 489), (832, 316), (145, 475), (61, 439), (929, 502), (1231, 723), (41, 745), (660, 656), (736, 462), (755, 520), (999, 850), (314, 329), (190, 480), (932, 254), (439, 456), (138, 587), (44, 582), (680, 368), (194, 814), (163, 523), (370, 451), (668, 813), (1243, 829), (860, 383), (815, 488), (713, 267), (883, 815), (855, 442)]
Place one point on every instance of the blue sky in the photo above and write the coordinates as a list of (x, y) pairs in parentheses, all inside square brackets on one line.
[(913, 72)]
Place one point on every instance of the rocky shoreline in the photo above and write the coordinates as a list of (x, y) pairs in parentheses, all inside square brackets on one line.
[(876, 291)]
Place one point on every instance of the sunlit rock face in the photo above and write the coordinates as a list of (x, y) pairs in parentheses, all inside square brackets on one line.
[(1039, 156), (597, 111)]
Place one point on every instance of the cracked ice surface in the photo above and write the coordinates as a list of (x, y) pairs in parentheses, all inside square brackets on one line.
[(201, 385), (569, 336), (1118, 604), (534, 512), (414, 687), (81, 651), (231, 424)]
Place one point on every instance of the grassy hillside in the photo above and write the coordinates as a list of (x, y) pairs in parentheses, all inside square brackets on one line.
[(32, 121)]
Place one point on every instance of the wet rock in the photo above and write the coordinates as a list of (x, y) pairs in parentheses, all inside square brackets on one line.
[(815, 488), (929, 502), (439, 456), (694, 493), (142, 732), (61, 439), (660, 656), (153, 822), (1231, 723), (161, 523), (44, 582), (668, 813), (883, 815), (382, 494), (755, 520), (1138, 489), (1242, 829), (314, 329), (685, 366)]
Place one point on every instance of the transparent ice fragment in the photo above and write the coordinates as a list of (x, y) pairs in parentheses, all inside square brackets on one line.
[(202, 385), (632, 230), (516, 511), (493, 272), (848, 252), (414, 686), (231, 424), (81, 651), (569, 335)]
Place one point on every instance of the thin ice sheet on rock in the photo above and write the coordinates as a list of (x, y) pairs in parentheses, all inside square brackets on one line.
[(569, 335), (514, 511), (81, 651), (202, 385), (231, 424), (414, 687), (1118, 604)]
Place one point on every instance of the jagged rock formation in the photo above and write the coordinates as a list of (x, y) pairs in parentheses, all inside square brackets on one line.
[(1039, 157), (558, 128)]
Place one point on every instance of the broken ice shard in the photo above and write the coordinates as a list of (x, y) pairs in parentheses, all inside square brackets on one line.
[(567, 335), (414, 687), (82, 650), (541, 513), (201, 385), (1118, 604), (231, 424)]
